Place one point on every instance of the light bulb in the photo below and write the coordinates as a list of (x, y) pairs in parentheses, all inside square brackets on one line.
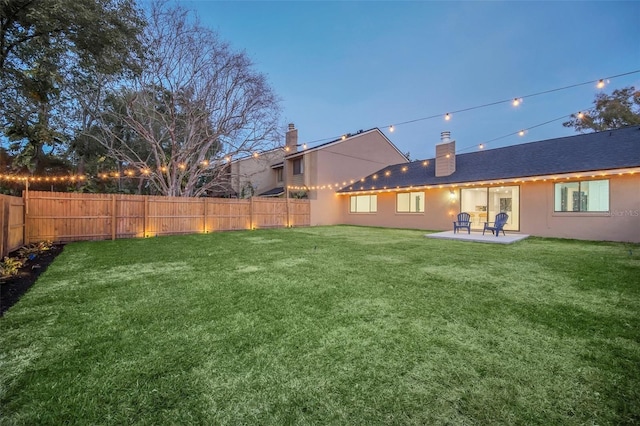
[(391, 129), (447, 116)]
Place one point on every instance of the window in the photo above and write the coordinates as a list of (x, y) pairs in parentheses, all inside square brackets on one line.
[(364, 204), (585, 196), (279, 174), (410, 202), (298, 166)]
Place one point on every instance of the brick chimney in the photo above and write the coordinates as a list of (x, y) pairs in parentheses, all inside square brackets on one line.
[(445, 155), (291, 141)]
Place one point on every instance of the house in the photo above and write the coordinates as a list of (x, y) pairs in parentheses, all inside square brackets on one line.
[(584, 187), (316, 173), (258, 174)]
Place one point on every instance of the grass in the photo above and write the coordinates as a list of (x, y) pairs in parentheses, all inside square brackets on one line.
[(327, 325)]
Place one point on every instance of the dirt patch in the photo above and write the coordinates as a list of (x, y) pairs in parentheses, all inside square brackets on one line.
[(12, 288)]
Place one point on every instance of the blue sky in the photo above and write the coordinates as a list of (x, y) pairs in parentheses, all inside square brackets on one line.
[(344, 66)]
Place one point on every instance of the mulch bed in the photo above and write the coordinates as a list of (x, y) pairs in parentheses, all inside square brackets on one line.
[(12, 288)]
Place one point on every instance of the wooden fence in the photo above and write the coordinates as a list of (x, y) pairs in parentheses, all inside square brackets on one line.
[(11, 224), (64, 217)]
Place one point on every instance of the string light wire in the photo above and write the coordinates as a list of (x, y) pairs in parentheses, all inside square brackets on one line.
[(391, 128), (486, 105)]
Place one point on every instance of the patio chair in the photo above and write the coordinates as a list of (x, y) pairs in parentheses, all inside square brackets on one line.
[(464, 221), (498, 225)]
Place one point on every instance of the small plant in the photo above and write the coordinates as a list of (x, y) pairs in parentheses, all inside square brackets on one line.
[(10, 266), (34, 249)]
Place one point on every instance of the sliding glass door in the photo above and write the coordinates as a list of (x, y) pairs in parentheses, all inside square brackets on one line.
[(484, 203)]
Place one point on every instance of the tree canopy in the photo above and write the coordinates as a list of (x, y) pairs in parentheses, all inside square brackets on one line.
[(50, 50), (619, 109)]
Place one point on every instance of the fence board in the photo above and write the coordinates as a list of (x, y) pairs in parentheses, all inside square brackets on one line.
[(11, 224), (63, 217)]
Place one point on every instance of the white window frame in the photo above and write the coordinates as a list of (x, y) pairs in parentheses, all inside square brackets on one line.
[(412, 204), (602, 199), (363, 204)]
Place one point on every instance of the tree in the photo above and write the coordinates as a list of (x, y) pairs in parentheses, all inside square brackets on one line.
[(620, 109), (196, 104), (48, 47)]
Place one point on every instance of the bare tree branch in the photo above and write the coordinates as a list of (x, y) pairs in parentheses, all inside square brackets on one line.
[(195, 103)]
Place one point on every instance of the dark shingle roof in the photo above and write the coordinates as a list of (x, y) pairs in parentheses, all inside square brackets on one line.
[(342, 139), (611, 149), (273, 192)]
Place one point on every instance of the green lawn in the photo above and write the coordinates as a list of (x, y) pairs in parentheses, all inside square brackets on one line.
[(328, 325)]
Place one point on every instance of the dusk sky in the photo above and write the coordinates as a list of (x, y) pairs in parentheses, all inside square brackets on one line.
[(344, 66)]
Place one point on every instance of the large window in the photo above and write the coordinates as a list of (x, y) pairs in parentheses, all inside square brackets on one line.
[(364, 204), (585, 196), (298, 166), (410, 202)]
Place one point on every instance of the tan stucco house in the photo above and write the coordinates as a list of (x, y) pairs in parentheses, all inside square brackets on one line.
[(296, 170), (258, 174), (584, 187), (317, 173)]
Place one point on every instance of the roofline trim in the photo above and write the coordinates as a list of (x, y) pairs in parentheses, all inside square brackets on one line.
[(332, 143), (587, 175)]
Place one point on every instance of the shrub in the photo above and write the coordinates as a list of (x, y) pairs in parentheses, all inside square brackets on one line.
[(10, 266)]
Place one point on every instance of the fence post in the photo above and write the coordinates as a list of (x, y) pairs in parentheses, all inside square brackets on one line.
[(145, 220), (114, 217), (4, 243), (288, 224), (204, 215), (25, 216), (251, 225)]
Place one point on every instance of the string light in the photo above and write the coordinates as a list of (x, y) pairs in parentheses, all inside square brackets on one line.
[(515, 101)]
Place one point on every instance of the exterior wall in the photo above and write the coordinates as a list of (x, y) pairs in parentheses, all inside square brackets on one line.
[(300, 179), (357, 156), (537, 216), (621, 223), (258, 171), (438, 215)]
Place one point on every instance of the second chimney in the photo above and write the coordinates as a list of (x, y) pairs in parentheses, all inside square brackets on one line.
[(445, 155), (291, 140)]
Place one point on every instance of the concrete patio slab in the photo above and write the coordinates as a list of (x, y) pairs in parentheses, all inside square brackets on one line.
[(478, 237)]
